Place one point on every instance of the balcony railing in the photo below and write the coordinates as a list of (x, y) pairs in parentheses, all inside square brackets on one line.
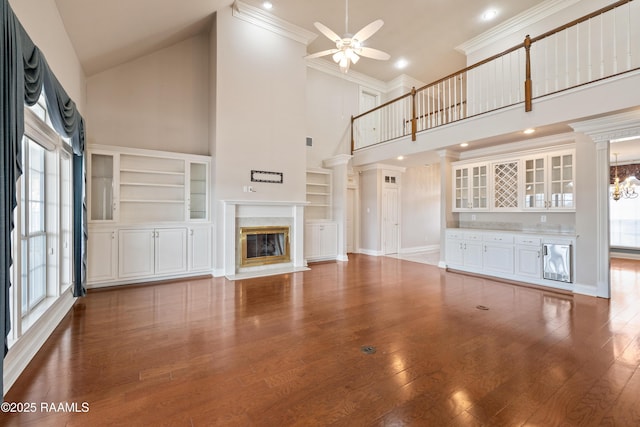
[(603, 44)]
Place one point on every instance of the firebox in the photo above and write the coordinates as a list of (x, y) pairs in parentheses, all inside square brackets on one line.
[(264, 245)]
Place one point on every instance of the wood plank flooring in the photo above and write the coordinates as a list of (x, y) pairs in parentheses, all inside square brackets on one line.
[(286, 350)]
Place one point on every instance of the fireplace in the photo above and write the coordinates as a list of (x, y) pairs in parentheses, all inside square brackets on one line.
[(262, 217), (264, 245)]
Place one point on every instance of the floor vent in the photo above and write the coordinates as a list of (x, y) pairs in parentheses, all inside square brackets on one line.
[(368, 349)]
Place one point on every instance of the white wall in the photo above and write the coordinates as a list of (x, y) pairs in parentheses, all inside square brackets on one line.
[(260, 114), (369, 211), (43, 23), (420, 224), (331, 101), (159, 101)]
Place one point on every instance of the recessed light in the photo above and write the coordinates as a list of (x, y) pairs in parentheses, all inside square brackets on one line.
[(400, 157), (267, 5), (489, 14), (464, 144), (401, 63), (529, 131)]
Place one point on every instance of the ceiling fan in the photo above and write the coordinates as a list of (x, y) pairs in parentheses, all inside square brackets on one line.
[(349, 48)]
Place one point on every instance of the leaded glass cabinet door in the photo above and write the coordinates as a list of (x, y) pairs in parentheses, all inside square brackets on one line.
[(479, 187), (534, 183)]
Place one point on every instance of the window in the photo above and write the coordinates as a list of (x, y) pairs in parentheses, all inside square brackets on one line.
[(624, 223), (42, 240), (33, 234)]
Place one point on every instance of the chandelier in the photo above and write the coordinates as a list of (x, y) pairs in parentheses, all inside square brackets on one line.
[(626, 188)]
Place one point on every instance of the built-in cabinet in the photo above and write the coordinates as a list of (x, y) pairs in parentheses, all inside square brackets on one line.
[(102, 254), (148, 215), (470, 187), (509, 255), (321, 241), (321, 233), (526, 181), (549, 181), (318, 195)]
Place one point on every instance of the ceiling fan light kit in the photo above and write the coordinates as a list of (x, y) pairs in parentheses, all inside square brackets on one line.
[(349, 48)]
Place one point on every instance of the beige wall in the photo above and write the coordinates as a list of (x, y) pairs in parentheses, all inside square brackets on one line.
[(420, 225), (159, 101), (331, 101), (43, 23)]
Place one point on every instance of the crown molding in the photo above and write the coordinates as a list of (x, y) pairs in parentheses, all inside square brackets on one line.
[(380, 166), (512, 25), (332, 69), (608, 128), (338, 160), (274, 24), (532, 145), (404, 81)]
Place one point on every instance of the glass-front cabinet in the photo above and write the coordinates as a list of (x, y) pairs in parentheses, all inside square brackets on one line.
[(103, 188), (197, 204), (470, 187), (549, 181)]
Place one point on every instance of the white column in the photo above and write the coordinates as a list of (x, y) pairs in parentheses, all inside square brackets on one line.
[(447, 217), (229, 239), (298, 236)]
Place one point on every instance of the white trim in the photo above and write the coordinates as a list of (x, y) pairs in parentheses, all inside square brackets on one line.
[(609, 128), (527, 146), (418, 249), (370, 252), (340, 159), (26, 347), (144, 152), (332, 69), (623, 255), (513, 25), (442, 264), (258, 17), (381, 166), (585, 290), (404, 81), (264, 203), (268, 272)]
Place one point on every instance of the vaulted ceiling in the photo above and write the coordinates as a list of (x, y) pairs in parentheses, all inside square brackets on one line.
[(424, 32)]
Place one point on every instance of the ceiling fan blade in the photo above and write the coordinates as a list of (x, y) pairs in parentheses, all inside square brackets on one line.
[(327, 32), (322, 53), (368, 31), (374, 53)]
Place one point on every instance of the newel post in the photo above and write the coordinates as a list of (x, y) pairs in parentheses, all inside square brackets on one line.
[(528, 93), (414, 116), (353, 144)]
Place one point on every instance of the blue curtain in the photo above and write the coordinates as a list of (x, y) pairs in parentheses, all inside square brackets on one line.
[(24, 73)]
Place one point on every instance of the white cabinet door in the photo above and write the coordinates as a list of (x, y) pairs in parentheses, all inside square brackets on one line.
[(136, 255), (101, 255), (470, 187), (498, 254), (529, 257), (548, 181), (454, 252), (528, 261), (498, 258), (472, 254), (200, 248), (321, 241), (170, 250), (329, 240)]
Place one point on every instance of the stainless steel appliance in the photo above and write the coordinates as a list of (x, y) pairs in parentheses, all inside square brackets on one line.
[(557, 262)]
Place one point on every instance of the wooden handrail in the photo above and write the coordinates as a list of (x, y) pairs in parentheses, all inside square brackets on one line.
[(580, 20), (526, 45)]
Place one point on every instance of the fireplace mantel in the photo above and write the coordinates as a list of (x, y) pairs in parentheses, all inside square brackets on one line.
[(263, 212)]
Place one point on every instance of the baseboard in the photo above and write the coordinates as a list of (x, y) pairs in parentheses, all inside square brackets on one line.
[(588, 290), (343, 258), (370, 252), (21, 353), (416, 249), (442, 264), (151, 279), (218, 272)]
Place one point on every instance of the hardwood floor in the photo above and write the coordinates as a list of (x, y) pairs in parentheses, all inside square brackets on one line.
[(286, 350)]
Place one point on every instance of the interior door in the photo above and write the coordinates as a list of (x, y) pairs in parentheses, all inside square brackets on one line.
[(390, 221), (369, 125)]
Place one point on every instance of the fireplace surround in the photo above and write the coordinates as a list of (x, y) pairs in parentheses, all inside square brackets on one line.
[(246, 214)]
